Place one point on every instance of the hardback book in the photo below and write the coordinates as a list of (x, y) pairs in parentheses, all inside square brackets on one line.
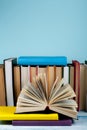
[(85, 87), (9, 63), (42, 60), (2, 86), (16, 82), (71, 75), (64, 122), (59, 72), (86, 102), (82, 87), (35, 97), (77, 81), (25, 75), (66, 74), (7, 113), (51, 75), (33, 72)]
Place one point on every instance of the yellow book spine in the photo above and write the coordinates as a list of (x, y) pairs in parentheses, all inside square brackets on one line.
[(8, 113)]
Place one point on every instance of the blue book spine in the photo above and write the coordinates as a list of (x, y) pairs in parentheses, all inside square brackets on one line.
[(42, 60)]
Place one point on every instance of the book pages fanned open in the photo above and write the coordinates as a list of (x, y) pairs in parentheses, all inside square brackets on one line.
[(36, 97)]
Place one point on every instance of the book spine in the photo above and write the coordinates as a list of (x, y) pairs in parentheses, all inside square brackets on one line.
[(67, 122), (66, 74), (2, 87), (9, 63), (32, 60), (17, 82), (77, 81), (86, 101)]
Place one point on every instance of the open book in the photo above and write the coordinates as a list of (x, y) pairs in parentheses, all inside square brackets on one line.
[(36, 97)]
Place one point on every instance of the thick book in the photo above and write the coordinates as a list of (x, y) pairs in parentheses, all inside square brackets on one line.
[(84, 82), (82, 87), (25, 75), (2, 86), (36, 97), (77, 81), (64, 122), (8, 113), (16, 82), (42, 60), (9, 63)]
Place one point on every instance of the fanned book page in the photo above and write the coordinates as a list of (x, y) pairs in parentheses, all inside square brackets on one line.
[(36, 97)]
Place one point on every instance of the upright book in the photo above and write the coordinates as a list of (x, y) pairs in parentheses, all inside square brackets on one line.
[(42, 60), (2, 87), (9, 63), (77, 81), (16, 82)]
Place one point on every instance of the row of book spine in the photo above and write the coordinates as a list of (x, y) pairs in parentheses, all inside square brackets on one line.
[(14, 76)]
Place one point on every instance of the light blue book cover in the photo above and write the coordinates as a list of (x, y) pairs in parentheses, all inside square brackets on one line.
[(43, 60)]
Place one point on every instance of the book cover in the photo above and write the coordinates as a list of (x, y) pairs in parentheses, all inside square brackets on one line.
[(77, 81), (16, 82), (66, 74), (59, 72), (51, 75), (42, 60), (82, 87), (25, 75), (9, 63), (33, 72), (2, 86), (64, 122), (8, 113), (71, 75), (85, 85)]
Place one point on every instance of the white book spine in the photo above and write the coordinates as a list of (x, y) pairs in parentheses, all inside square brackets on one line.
[(9, 83), (66, 74)]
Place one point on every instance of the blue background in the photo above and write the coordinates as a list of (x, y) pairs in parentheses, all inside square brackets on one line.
[(43, 27)]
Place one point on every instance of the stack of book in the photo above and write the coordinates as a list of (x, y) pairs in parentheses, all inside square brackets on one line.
[(32, 119), (17, 74), (40, 89)]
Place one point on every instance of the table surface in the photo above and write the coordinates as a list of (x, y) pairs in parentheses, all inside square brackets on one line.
[(80, 124)]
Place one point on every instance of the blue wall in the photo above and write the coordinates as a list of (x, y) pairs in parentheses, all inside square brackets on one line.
[(43, 27)]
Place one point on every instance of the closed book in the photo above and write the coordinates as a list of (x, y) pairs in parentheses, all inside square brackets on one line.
[(71, 76), (66, 74), (25, 75), (33, 73), (64, 122), (59, 72), (16, 82), (42, 60), (82, 87), (51, 72), (8, 113), (85, 87), (2, 86), (9, 63), (77, 81)]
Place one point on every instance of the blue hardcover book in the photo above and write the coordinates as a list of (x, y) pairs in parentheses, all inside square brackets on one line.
[(42, 60)]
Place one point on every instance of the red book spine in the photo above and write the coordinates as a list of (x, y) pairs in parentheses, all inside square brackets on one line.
[(77, 81)]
